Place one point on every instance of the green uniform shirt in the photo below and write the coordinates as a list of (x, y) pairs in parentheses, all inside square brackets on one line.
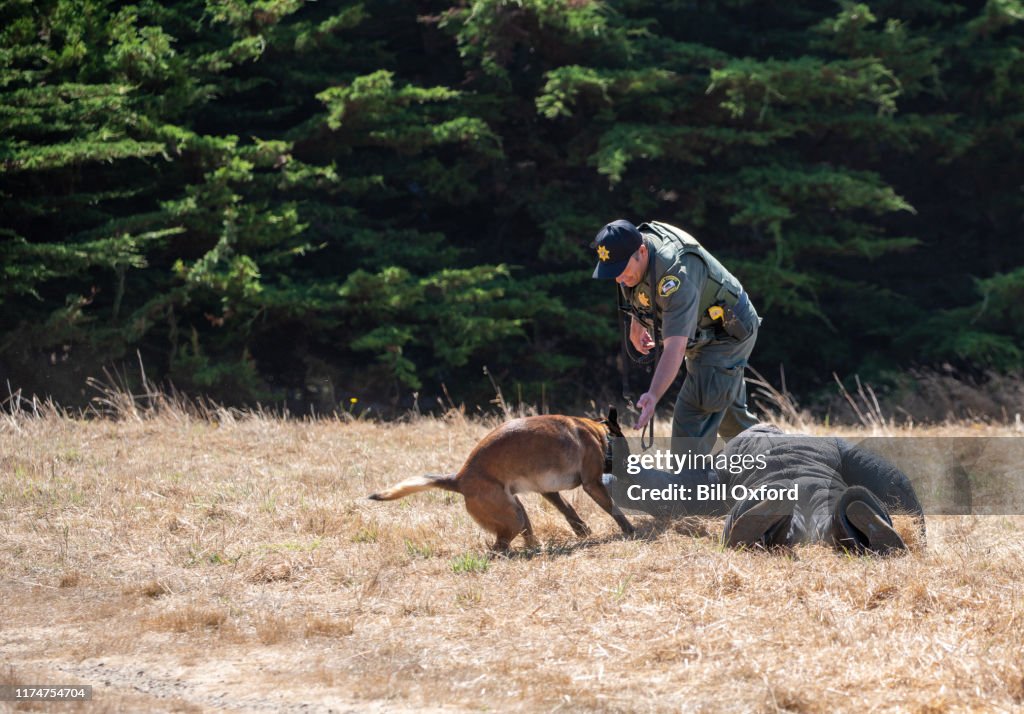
[(679, 279)]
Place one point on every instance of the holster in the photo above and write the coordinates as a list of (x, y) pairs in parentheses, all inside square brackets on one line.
[(732, 325)]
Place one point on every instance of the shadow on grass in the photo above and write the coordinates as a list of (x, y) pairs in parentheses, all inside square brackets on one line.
[(649, 529)]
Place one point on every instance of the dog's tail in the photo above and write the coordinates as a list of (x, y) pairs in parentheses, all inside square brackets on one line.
[(417, 484)]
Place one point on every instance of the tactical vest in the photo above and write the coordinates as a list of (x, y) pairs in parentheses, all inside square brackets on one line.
[(721, 286)]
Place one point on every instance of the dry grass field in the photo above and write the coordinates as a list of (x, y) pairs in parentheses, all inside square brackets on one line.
[(231, 563)]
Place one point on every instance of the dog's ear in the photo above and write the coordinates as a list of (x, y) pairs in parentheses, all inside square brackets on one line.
[(612, 422)]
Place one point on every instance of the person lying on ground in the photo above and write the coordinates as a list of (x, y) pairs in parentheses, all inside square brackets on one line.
[(780, 490)]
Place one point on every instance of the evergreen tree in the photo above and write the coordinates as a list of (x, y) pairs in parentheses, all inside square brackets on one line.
[(287, 198)]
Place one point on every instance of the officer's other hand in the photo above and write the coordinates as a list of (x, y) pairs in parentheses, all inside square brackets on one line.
[(640, 338), (645, 404)]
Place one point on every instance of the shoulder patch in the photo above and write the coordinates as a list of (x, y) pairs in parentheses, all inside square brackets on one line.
[(668, 285)]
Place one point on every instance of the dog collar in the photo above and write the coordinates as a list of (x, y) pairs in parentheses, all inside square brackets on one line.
[(607, 453)]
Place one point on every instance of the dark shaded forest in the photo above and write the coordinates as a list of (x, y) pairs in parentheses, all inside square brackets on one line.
[(309, 202)]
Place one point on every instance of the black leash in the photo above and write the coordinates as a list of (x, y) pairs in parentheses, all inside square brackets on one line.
[(657, 343), (630, 354)]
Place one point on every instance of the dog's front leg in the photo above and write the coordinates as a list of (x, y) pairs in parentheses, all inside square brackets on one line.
[(578, 526), (597, 491)]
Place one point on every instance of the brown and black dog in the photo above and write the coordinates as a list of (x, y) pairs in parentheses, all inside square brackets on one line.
[(538, 454)]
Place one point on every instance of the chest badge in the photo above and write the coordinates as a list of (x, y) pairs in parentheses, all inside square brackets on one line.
[(668, 285), (643, 299)]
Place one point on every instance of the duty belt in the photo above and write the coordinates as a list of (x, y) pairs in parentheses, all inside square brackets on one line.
[(725, 317)]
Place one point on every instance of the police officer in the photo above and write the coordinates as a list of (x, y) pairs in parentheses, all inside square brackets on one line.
[(705, 316)]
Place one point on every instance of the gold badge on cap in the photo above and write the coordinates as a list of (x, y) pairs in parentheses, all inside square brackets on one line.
[(603, 253)]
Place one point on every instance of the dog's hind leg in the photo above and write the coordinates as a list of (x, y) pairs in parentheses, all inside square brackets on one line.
[(501, 514), (597, 491), (527, 530), (578, 526)]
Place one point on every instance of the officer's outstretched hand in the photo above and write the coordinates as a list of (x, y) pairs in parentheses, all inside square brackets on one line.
[(640, 338), (645, 404)]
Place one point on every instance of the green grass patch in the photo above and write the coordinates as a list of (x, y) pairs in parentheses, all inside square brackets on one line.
[(418, 550), (471, 563)]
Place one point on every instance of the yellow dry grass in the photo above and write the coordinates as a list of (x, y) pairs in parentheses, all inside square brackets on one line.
[(186, 564)]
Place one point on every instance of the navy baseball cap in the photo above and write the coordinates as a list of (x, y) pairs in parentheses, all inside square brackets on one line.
[(615, 244)]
